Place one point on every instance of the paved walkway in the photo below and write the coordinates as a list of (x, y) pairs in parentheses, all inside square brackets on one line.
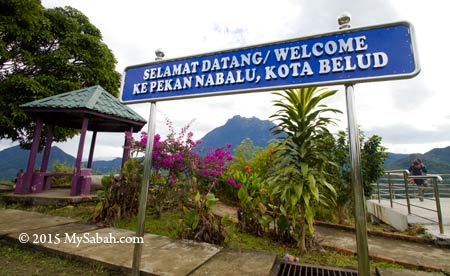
[(166, 256), (411, 254), (54, 197), (160, 255)]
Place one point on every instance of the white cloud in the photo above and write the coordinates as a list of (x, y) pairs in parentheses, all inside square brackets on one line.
[(133, 30)]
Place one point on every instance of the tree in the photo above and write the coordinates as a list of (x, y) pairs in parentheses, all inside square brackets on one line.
[(301, 171), (372, 161), (244, 154), (44, 52), (341, 156), (373, 155)]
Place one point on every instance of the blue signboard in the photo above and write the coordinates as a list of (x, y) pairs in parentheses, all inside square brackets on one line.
[(373, 53)]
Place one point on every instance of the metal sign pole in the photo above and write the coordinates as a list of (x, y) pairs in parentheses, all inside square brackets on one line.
[(144, 190), (356, 170), (358, 191), (135, 271)]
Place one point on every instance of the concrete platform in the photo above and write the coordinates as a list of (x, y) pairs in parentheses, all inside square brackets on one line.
[(56, 197), (399, 218), (113, 247), (388, 271), (5, 188), (410, 254), (166, 256), (235, 262), (17, 221)]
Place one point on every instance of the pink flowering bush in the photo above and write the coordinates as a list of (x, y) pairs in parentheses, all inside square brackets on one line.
[(175, 155), (134, 147), (175, 159), (210, 168), (181, 175)]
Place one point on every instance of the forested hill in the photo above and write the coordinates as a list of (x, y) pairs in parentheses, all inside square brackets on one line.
[(236, 130), (233, 132), (436, 160), (15, 158)]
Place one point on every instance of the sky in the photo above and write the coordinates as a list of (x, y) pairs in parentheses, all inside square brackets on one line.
[(411, 116)]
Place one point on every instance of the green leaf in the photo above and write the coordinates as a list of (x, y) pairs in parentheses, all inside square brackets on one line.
[(283, 210), (309, 216), (226, 219), (304, 167), (299, 189), (196, 222), (186, 211), (282, 223), (191, 219), (242, 194), (197, 197), (306, 198), (313, 187), (329, 187), (265, 220), (99, 206), (211, 200), (262, 208)]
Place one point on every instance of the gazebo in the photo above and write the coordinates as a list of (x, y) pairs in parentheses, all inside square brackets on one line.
[(92, 109)]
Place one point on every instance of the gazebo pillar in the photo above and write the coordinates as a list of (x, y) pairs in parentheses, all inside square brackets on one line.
[(126, 149), (84, 127), (25, 185), (81, 178), (47, 149), (91, 151), (46, 157)]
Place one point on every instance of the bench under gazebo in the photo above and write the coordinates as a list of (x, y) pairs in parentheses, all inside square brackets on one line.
[(89, 109)]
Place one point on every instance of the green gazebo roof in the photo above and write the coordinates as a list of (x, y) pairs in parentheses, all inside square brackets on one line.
[(105, 112)]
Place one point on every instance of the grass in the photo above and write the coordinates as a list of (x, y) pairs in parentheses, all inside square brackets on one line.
[(18, 260), (81, 211), (167, 225), (6, 183)]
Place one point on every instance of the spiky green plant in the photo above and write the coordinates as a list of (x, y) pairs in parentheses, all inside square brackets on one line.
[(301, 171)]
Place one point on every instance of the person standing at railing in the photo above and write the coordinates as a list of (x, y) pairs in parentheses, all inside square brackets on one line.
[(418, 168)]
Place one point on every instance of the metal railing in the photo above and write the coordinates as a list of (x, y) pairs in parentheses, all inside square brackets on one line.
[(395, 185)]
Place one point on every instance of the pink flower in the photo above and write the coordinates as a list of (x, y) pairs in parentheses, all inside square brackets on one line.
[(175, 156)]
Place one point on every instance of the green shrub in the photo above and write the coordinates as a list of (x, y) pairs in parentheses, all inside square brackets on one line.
[(62, 181)]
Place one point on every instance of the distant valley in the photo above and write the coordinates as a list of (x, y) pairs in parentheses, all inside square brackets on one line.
[(233, 132), (15, 158), (436, 160)]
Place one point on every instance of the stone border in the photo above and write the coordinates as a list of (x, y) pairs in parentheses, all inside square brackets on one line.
[(378, 233)]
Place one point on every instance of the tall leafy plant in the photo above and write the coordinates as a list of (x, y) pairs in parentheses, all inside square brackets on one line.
[(300, 173), (373, 155), (342, 184)]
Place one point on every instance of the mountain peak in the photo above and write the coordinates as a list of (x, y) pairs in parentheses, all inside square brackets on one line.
[(237, 129), (253, 122), (240, 118)]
